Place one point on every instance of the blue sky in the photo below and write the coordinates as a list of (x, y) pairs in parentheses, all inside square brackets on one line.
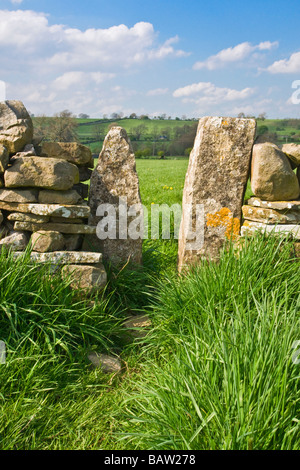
[(172, 57)]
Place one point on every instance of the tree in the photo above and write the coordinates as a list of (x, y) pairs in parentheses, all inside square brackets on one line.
[(60, 128), (137, 131), (83, 116), (262, 116)]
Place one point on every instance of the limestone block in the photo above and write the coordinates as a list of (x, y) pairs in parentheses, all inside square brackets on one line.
[(272, 177), (48, 173), (16, 129), (214, 185)]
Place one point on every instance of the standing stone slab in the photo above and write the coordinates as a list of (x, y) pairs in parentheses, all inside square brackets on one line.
[(115, 177), (216, 179), (16, 129)]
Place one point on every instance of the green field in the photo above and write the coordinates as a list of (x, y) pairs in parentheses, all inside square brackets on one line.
[(214, 372)]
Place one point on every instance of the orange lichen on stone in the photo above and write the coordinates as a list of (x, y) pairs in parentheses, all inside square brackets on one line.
[(224, 218)]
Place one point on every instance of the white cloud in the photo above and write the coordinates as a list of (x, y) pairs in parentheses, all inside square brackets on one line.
[(233, 54), (158, 92), (16, 2), (52, 67), (208, 93), (291, 65)]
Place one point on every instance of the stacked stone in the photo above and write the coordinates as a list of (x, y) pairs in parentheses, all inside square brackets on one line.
[(275, 184), (42, 196)]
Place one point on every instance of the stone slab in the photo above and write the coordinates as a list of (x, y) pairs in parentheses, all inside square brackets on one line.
[(215, 184), (271, 216), (19, 195), (62, 228), (249, 228), (65, 257), (277, 205), (54, 210), (22, 217)]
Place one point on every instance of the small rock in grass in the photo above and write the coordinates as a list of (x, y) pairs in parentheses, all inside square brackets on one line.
[(108, 364)]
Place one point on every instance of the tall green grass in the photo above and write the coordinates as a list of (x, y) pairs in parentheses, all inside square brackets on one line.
[(218, 370)]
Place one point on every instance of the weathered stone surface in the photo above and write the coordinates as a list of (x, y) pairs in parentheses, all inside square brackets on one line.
[(89, 278), (250, 228), (137, 326), (4, 158), (16, 129), (22, 217), (108, 364), (115, 177), (84, 173), (28, 151), (55, 210), (297, 249), (63, 228), (73, 242), (272, 177), (62, 220), (70, 197), (271, 216), (82, 189), (71, 151), (277, 205), (293, 152), (216, 180), (15, 241), (47, 241), (65, 257), (19, 195), (48, 173)]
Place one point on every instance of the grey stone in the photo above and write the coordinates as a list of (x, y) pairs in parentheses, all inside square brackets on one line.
[(21, 217), (54, 210), (71, 151), (65, 257), (63, 228), (16, 129), (89, 278), (249, 228), (48, 196), (47, 241), (4, 158), (271, 216), (108, 364), (272, 177), (215, 184), (293, 152), (19, 195), (277, 205), (15, 241), (115, 178), (50, 173)]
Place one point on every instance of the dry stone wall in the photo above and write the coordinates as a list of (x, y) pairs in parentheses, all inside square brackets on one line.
[(42, 194), (275, 207)]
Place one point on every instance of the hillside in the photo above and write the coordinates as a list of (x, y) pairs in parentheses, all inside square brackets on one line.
[(152, 137)]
